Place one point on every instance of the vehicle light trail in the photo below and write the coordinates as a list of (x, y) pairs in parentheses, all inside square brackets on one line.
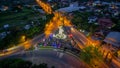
[(46, 7)]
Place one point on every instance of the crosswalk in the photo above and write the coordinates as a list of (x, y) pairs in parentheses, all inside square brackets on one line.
[(59, 53)]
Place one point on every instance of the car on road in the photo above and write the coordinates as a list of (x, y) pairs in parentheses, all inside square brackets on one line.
[(4, 51)]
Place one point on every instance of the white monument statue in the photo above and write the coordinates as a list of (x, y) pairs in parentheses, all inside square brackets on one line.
[(60, 34)]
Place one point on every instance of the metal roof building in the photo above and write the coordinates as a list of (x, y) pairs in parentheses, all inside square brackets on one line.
[(113, 38)]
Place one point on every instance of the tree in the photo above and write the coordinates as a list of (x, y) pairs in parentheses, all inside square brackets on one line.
[(20, 63), (117, 26), (92, 56), (14, 63), (92, 28)]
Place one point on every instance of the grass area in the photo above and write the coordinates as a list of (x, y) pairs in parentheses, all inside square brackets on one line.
[(8, 15), (18, 21), (42, 47), (15, 18), (46, 47)]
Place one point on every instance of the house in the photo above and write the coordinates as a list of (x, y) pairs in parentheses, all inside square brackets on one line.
[(98, 2), (105, 3), (105, 23), (113, 38), (27, 27), (6, 26), (115, 13), (68, 9), (82, 7), (37, 8), (72, 7), (74, 4), (3, 35), (4, 8), (92, 19)]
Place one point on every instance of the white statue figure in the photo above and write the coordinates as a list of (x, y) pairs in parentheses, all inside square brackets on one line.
[(60, 34), (61, 30)]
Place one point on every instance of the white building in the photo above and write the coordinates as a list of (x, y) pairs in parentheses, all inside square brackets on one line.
[(6, 26), (37, 8), (27, 27), (92, 19), (3, 35), (74, 4), (68, 9), (72, 7)]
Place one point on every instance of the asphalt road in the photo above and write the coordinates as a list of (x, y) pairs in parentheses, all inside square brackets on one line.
[(55, 58), (78, 37)]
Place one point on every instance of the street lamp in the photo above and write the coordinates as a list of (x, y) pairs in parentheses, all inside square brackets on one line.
[(23, 38)]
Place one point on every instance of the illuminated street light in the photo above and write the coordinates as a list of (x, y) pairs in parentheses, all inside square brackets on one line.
[(46, 7), (72, 29), (23, 38)]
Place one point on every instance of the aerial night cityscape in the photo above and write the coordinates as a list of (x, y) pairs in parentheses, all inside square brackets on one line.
[(59, 33)]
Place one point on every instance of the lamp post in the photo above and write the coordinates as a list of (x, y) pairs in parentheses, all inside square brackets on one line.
[(23, 38)]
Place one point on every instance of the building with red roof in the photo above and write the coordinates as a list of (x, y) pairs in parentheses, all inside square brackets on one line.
[(105, 23)]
